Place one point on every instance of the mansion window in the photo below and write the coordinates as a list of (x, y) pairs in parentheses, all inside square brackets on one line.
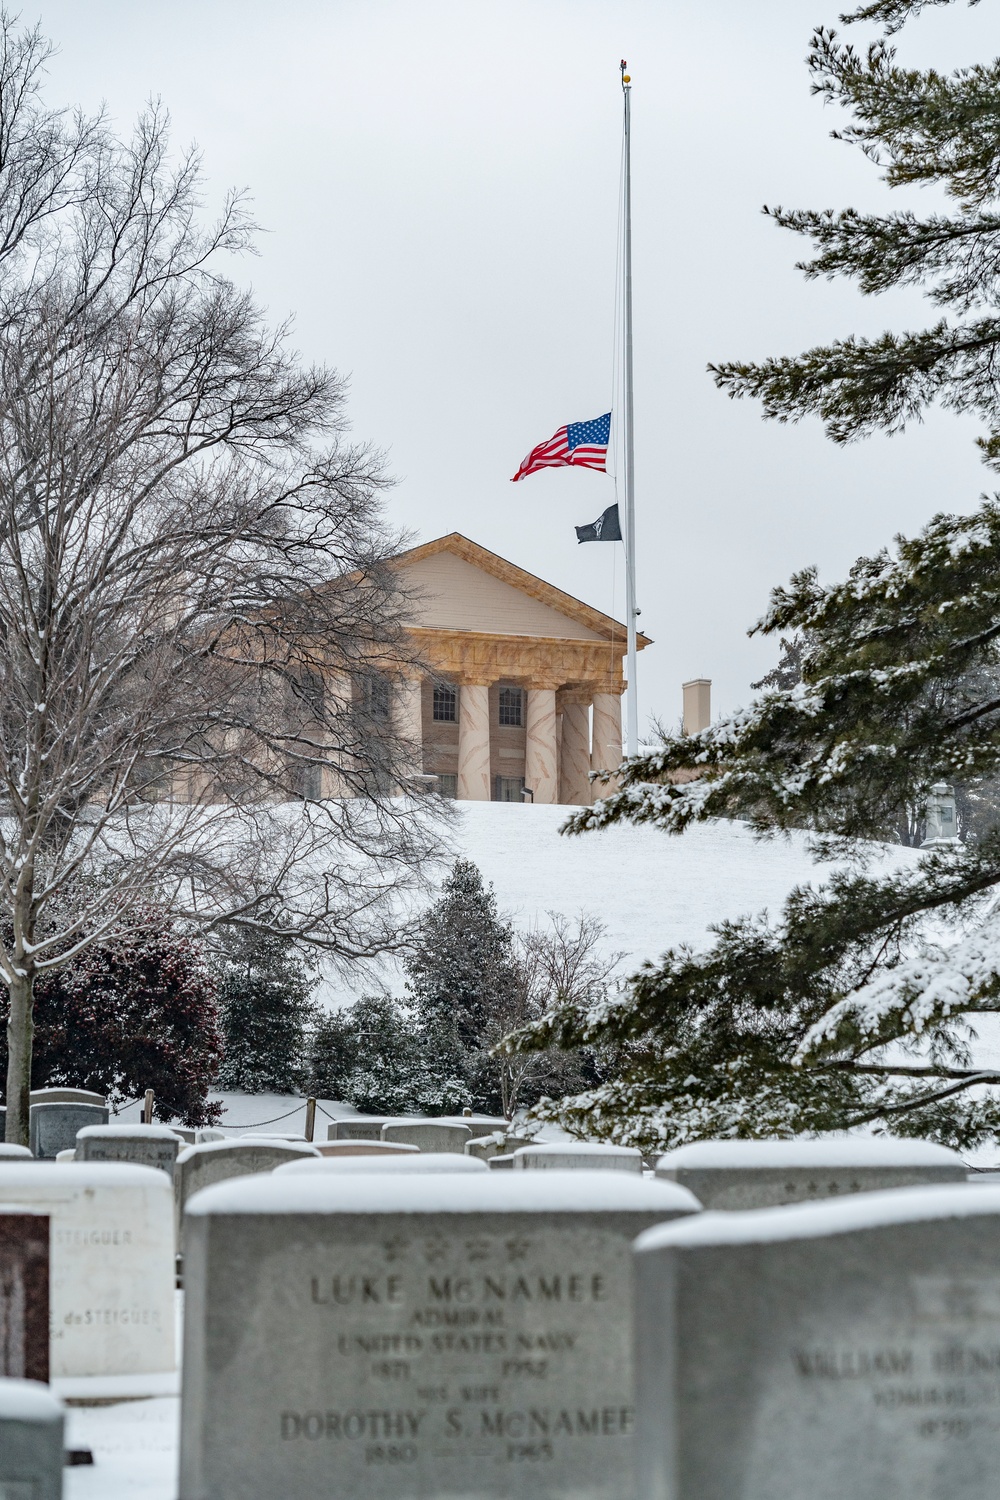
[(509, 789), (510, 708), (447, 785), (445, 703)]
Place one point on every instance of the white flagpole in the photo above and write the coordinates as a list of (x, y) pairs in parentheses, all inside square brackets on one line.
[(631, 612)]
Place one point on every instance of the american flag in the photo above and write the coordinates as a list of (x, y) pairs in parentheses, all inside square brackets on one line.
[(582, 443)]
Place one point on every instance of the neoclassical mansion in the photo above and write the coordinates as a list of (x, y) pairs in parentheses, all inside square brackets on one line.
[(522, 694)]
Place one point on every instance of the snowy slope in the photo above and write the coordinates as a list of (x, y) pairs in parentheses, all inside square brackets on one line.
[(651, 890)]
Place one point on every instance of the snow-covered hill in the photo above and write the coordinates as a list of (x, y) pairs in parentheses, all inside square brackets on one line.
[(651, 889)]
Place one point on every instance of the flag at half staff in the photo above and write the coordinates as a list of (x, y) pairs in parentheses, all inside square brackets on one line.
[(584, 444), (606, 528)]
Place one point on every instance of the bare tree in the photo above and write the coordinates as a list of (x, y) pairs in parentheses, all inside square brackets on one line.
[(199, 620), (564, 963)]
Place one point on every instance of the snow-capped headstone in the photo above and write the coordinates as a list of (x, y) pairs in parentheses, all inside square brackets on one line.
[(335, 1149), (31, 1442), (67, 1096), (145, 1145), (420, 1162), (52, 1127), (428, 1135), (384, 1336), (10, 1152), (216, 1161), (112, 1276), (562, 1156), (762, 1174), (368, 1128), (827, 1350), (24, 1293)]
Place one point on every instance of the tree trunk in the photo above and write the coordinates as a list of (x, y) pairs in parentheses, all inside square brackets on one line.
[(20, 1030)]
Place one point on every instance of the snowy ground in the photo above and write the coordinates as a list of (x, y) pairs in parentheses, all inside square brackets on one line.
[(651, 890), (134, 1444)]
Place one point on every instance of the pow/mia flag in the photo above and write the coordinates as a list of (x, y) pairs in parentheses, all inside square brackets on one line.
[(604, 529)]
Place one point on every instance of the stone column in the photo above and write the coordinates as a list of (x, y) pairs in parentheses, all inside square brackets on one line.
[(409, 726), (607, 752), (541, 757), (474, 742), (574, 762)]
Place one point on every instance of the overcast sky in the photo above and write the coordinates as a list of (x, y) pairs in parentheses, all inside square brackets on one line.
[(439, 183)]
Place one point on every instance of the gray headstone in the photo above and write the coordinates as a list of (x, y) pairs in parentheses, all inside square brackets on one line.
[(24, 1293), (483, 1146), (418, 1161), (369, 1129), (385, 1337), (145, 1145), (31, 1442), (762, 1174), (52, 1127), (10, 1152), (428, 1135), (589, 1156), (334, 1149), (825, 1350), (202, 1166), (66, 1096), (504, 1162)]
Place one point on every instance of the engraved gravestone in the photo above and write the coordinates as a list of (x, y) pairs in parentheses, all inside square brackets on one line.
[(145, 1145), (828, 1350), (762, 1174), (52, 1127), (576, 1155), (24, 1293), (366, 1129), (31, 1442), (428, 1135), (112, 1276), (67, 1096), (391, 1337)]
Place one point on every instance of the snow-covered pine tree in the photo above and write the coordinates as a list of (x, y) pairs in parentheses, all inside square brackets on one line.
[(370, 1055), (460, 971), (265, 990), (860, 1004)]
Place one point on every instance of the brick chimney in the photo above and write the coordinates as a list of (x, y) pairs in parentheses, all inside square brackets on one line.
[(697, 705)]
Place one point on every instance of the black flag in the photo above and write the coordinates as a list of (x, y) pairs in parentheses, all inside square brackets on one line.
[(605, 529)]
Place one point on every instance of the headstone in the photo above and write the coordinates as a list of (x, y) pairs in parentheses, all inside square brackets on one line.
[(270, 1135), (31, 1442), (575, 1155), (53, 1127), (365, 1129), (404, 1338), (111, 1284), (364, 1148), (216, 1161), (63, 1155), (146, 1145), (483, 1146), (420, 1161), (499, 1143), (504, 1162), (823, 1350), (202, 1135), (428, 1135), (67, 1096), (10, 1152), (24, 1294), (762, 1174)]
